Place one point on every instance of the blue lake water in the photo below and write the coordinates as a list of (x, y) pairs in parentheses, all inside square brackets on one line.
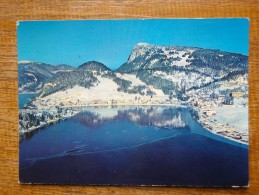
[(25, 99), (132, 146)]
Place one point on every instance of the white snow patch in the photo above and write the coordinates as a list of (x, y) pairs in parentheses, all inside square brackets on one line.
[(236, 116), (56, 71), (153, 61), (143, 44), (105, 90), (179, 78), (182, 61), (131, 77), (32, 75), (191, 50), (24, 62), (104, 112), (159, 73), (158, 92)]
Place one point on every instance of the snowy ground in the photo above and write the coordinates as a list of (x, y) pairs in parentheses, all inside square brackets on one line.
[(130, 77), (106, 89), (237, 116), (105, 92), (230, 121)]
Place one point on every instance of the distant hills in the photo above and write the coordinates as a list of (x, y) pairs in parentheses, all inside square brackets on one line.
[(173, 70), (33, 75)]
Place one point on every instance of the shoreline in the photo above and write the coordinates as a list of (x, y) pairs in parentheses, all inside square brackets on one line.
[(209, 118), (226, 137), (31, 129), (203, 122), (50, 122), (138, 104)]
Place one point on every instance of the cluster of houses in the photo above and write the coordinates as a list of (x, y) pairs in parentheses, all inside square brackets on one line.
[(139, 100), (205, 105), (197, 99), (205, 102)]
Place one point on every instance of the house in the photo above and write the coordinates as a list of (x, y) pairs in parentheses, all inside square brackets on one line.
[(150, 86), (183, 96), (214, 95), (237, 94), (229, 100), (210, 112)]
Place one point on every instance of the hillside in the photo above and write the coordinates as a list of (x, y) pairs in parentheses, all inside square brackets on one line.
[(33, 75), (203, 79), (174, 68), (162, 71), (91, 75)]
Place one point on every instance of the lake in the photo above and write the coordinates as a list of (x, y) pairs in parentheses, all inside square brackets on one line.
[(133, 145), (25, 99)]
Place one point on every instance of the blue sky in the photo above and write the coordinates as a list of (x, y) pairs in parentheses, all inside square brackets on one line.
[(111, 41)]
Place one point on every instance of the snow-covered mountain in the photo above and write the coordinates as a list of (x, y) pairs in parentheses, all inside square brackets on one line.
[(173, 68), (145, 56), (33, 75), (172, 71), (97, 77)]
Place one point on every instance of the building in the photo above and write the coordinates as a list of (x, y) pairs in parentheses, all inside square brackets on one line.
[(229, 100), (210, 112), (237, 94)]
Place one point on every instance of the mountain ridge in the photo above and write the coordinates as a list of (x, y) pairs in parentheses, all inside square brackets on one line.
[(93, 65), (33, 75), (172, 69)]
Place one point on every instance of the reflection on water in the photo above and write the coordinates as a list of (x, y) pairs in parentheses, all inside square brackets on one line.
[(156, 116), (162, 117), (170, 118), (131, 145), (99, 129)]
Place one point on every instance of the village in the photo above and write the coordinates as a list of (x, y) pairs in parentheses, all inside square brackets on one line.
[(216, 113), (224, 115)]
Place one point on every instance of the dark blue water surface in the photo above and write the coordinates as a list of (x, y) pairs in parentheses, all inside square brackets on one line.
[(132, 146)]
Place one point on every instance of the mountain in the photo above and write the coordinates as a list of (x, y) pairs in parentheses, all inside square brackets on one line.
[(33, 75), (90, 75), (172, 71), (148, 57), (93, 66), (172, 68), (82, 76)]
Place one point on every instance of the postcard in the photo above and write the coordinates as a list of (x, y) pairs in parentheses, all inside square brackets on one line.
[(142, 102)]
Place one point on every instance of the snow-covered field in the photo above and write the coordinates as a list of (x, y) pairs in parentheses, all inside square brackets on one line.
[(230, 121), (183, 57), (236, 116), (131, 77), (106, 89), (105, 92)]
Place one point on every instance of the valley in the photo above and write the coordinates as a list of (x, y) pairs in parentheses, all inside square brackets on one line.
[(212, 82)]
